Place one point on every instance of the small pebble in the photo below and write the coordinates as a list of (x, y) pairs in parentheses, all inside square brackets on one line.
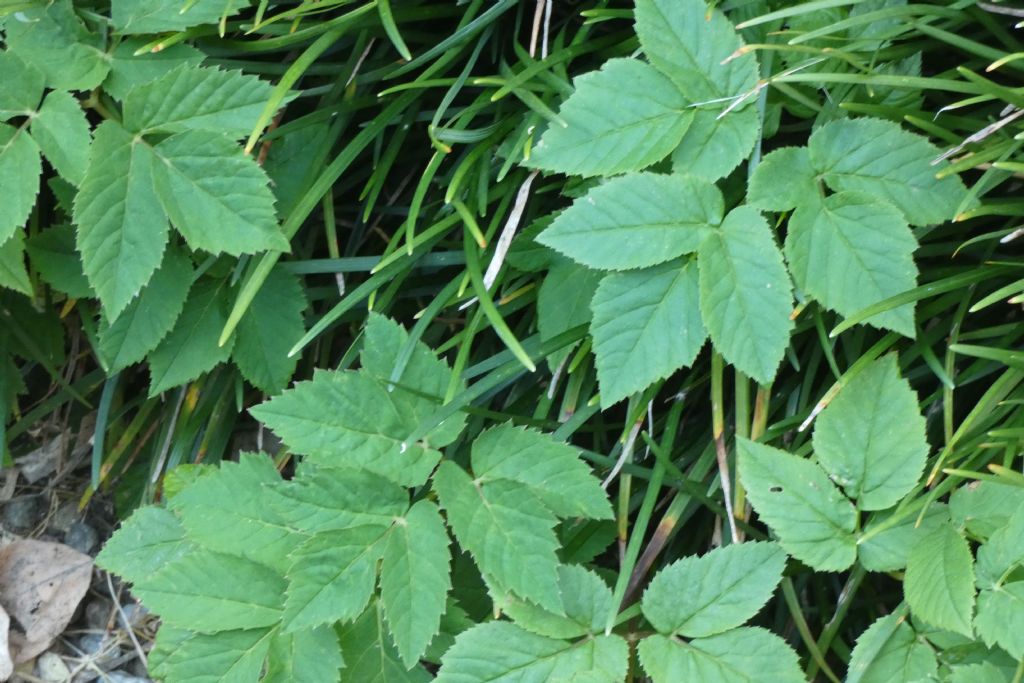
[(122, 677), (65, 516), (98, 648), (50, 667), (136, 614), (81, 537), (97, 615), (21, 515)]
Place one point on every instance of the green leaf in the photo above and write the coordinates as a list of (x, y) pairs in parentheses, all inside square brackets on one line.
[(743, 655), (20, 168), (646, 326), (783, 180), (887, 550), (851, 251), (984, 506), (985, 672), (332, 576), (150, 539), (551, 470), (1003, 552), (370, 656), (813, 521), (308, 655), (23, 86), (1000, 619), (702, 596), (563, 302), (192, 98), (889, 650), (500, 652), (55, 41), (871, 437), (882, 160), (210, 591), (226, 657), (694, 47), (270, 327), (156, 16), (62, 133), (713, 146), (415, 579), (12, 265), (57, 261), (637, 220), (190, 348), (939, 583), (149, 317), (624, 117), (122, 229), (216, 196), (506, 529), (227, 510), (745, 295), (587, 600), (128, 70)]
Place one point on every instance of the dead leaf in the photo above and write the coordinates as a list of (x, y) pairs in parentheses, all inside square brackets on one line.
[(41, 585), (42, 462), (6, 665)]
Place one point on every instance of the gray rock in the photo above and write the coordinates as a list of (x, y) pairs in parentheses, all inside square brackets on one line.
[(98, 647), (82, 537), (136, 614), (97, 615), (50, 667), (21, 515)]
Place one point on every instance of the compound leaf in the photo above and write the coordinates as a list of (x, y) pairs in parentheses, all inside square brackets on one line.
[(62, 133), (271, 325), (54, 40), (585, 596), (716, 143), (20, 168), (783, 180), (743, 655), (939, 583)]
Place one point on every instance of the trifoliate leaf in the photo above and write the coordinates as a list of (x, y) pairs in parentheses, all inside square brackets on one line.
[(887, 550), (210, 591), (783, 180), (415, 579), (270, 327), (624, 117), (889, 650), (871, 437), (150, 539), (587, 600), (502, 652), (646, 326), (62, 133), (332, 576), (882, 160), (984, 506), (23, 86), (12, 264), (813, 521), (234, 656), (745, 296), (507, 530), (149, 317), (716, 142), (156, 16), (217, 197), (552, 471), (563, 302), (370, 656), (702, 596), (122, 229), (57, 261), (851, 251), (743, 655), (637, 220), (1000, 619), (939, 583), (128, 70), (1003, 551), (192, 98), (307, 655), (54, 40), (20, 168)]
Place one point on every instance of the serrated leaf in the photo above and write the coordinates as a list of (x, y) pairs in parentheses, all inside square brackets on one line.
[(984, 506), (563, 302), (783, 180), (210, 591), (500, 652), (54, 40), (637, 220), (332, 576), (624, 117), (939, 583), (217, 197), (193, 98), (506, 529), (20, 168), (889, 650), (370, 656), (1000, 619), (57, 261), (851, 251), (1003, 551), (227, 510), (190, 348), (415, 579), (122, 229), (12, 264), (149, 317), (745, 296), (23, 86), (871, 437), (702, 596), (309, 655), (813, 521), (145, 542), (587, 600), (743, 655), (551, 470), (62, 133), (155, 16), (128, 70), (646, 326), (887, 551), (270, 327), (713, 146), (882, 160), (225, 657)]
